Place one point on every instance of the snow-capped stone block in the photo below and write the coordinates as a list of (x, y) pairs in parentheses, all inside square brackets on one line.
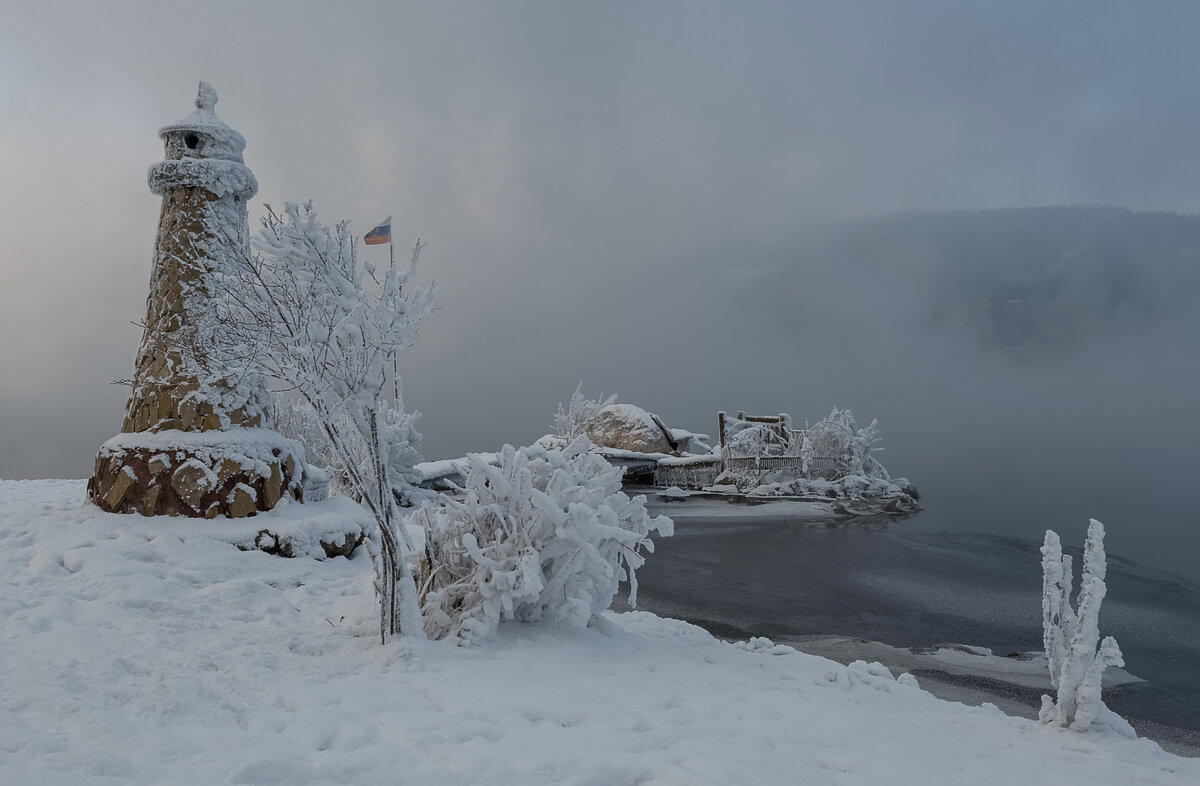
[(334, 527), (233, 473), (241, 501), (191, 481)]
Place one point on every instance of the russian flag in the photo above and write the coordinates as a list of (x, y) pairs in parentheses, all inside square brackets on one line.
[(380, 234)]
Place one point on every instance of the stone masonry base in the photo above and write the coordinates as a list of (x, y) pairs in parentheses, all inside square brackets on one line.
[(231, 473)]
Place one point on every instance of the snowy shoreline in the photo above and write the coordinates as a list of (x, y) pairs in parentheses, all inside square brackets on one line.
[(1014, 685), (143, 650), (962, 673), (954, 673), (721, 504)]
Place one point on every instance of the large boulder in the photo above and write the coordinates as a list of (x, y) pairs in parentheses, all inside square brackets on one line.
[(626, 427)]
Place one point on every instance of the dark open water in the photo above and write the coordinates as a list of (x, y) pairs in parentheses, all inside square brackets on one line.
[(901, 585)]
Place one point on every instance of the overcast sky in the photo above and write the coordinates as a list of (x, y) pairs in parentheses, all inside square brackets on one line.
[(581, 172)]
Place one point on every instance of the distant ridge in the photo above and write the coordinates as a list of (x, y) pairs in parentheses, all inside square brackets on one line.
[(1029, 280)]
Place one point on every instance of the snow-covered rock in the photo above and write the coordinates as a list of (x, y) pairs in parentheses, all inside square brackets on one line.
[(628, 427), (689, 442)]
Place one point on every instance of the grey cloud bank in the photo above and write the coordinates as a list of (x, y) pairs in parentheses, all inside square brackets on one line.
[(588, 176)]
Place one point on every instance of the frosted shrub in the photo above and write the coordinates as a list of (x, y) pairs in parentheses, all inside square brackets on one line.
[(546, 535), (756, 440), (839, 436), (1071, 636), (580, 414)]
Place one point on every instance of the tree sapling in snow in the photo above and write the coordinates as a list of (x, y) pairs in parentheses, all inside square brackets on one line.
[(305, 312)]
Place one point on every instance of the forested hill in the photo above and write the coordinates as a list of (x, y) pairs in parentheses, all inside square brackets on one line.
[(1025, 281)]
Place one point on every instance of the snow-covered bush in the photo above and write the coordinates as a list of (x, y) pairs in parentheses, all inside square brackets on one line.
[(546, 535), (581, 413), (755, 440), (1070, 637)]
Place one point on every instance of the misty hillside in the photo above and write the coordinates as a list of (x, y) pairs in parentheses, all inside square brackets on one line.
[(1025, 281)]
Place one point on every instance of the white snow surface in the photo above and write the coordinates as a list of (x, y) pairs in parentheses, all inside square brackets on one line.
[(216, 443), (432, 470), (250, 447), (148, 650)]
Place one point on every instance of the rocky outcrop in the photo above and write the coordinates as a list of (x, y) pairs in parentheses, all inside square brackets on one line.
[(626, 427)]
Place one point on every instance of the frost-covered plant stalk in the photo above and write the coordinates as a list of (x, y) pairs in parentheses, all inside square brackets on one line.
[(546, 535), (580, 414), (307, 313), (1071, 636)]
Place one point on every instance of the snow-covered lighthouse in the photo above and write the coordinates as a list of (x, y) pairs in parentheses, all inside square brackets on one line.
[(194, 442)]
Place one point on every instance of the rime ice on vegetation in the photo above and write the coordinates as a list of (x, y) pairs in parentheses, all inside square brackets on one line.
[(307, 312), (177, 388), (580, 415), (1072, 636), (546, 535)]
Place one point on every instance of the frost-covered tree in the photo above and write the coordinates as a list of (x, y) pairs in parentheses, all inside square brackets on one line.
[(581, 413), (1071, 637), (296, 419), (755, 440), (306, 312), (839, 436), (546, 535)]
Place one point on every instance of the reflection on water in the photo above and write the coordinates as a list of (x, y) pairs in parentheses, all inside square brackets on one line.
[(757, 574)]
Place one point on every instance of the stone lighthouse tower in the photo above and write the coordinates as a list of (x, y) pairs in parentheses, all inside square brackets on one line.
[(195, 442)]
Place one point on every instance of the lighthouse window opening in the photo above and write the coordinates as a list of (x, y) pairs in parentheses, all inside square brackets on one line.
[(192, 141)]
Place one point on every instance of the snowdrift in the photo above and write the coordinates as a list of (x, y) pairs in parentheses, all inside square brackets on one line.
[(152, 650)]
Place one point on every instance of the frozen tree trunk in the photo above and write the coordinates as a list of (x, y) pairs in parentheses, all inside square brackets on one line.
[(399, 609), (401, 600), (1071, 637)]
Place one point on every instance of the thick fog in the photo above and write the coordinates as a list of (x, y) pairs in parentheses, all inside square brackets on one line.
[(640, 196)]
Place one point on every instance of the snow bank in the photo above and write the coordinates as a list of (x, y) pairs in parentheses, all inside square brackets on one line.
[(145, 650), (444, 468)]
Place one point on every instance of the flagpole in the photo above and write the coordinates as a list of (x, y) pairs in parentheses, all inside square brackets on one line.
[(399, 404)]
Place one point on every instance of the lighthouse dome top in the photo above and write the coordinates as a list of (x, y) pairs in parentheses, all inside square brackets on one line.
[(202, 134)]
